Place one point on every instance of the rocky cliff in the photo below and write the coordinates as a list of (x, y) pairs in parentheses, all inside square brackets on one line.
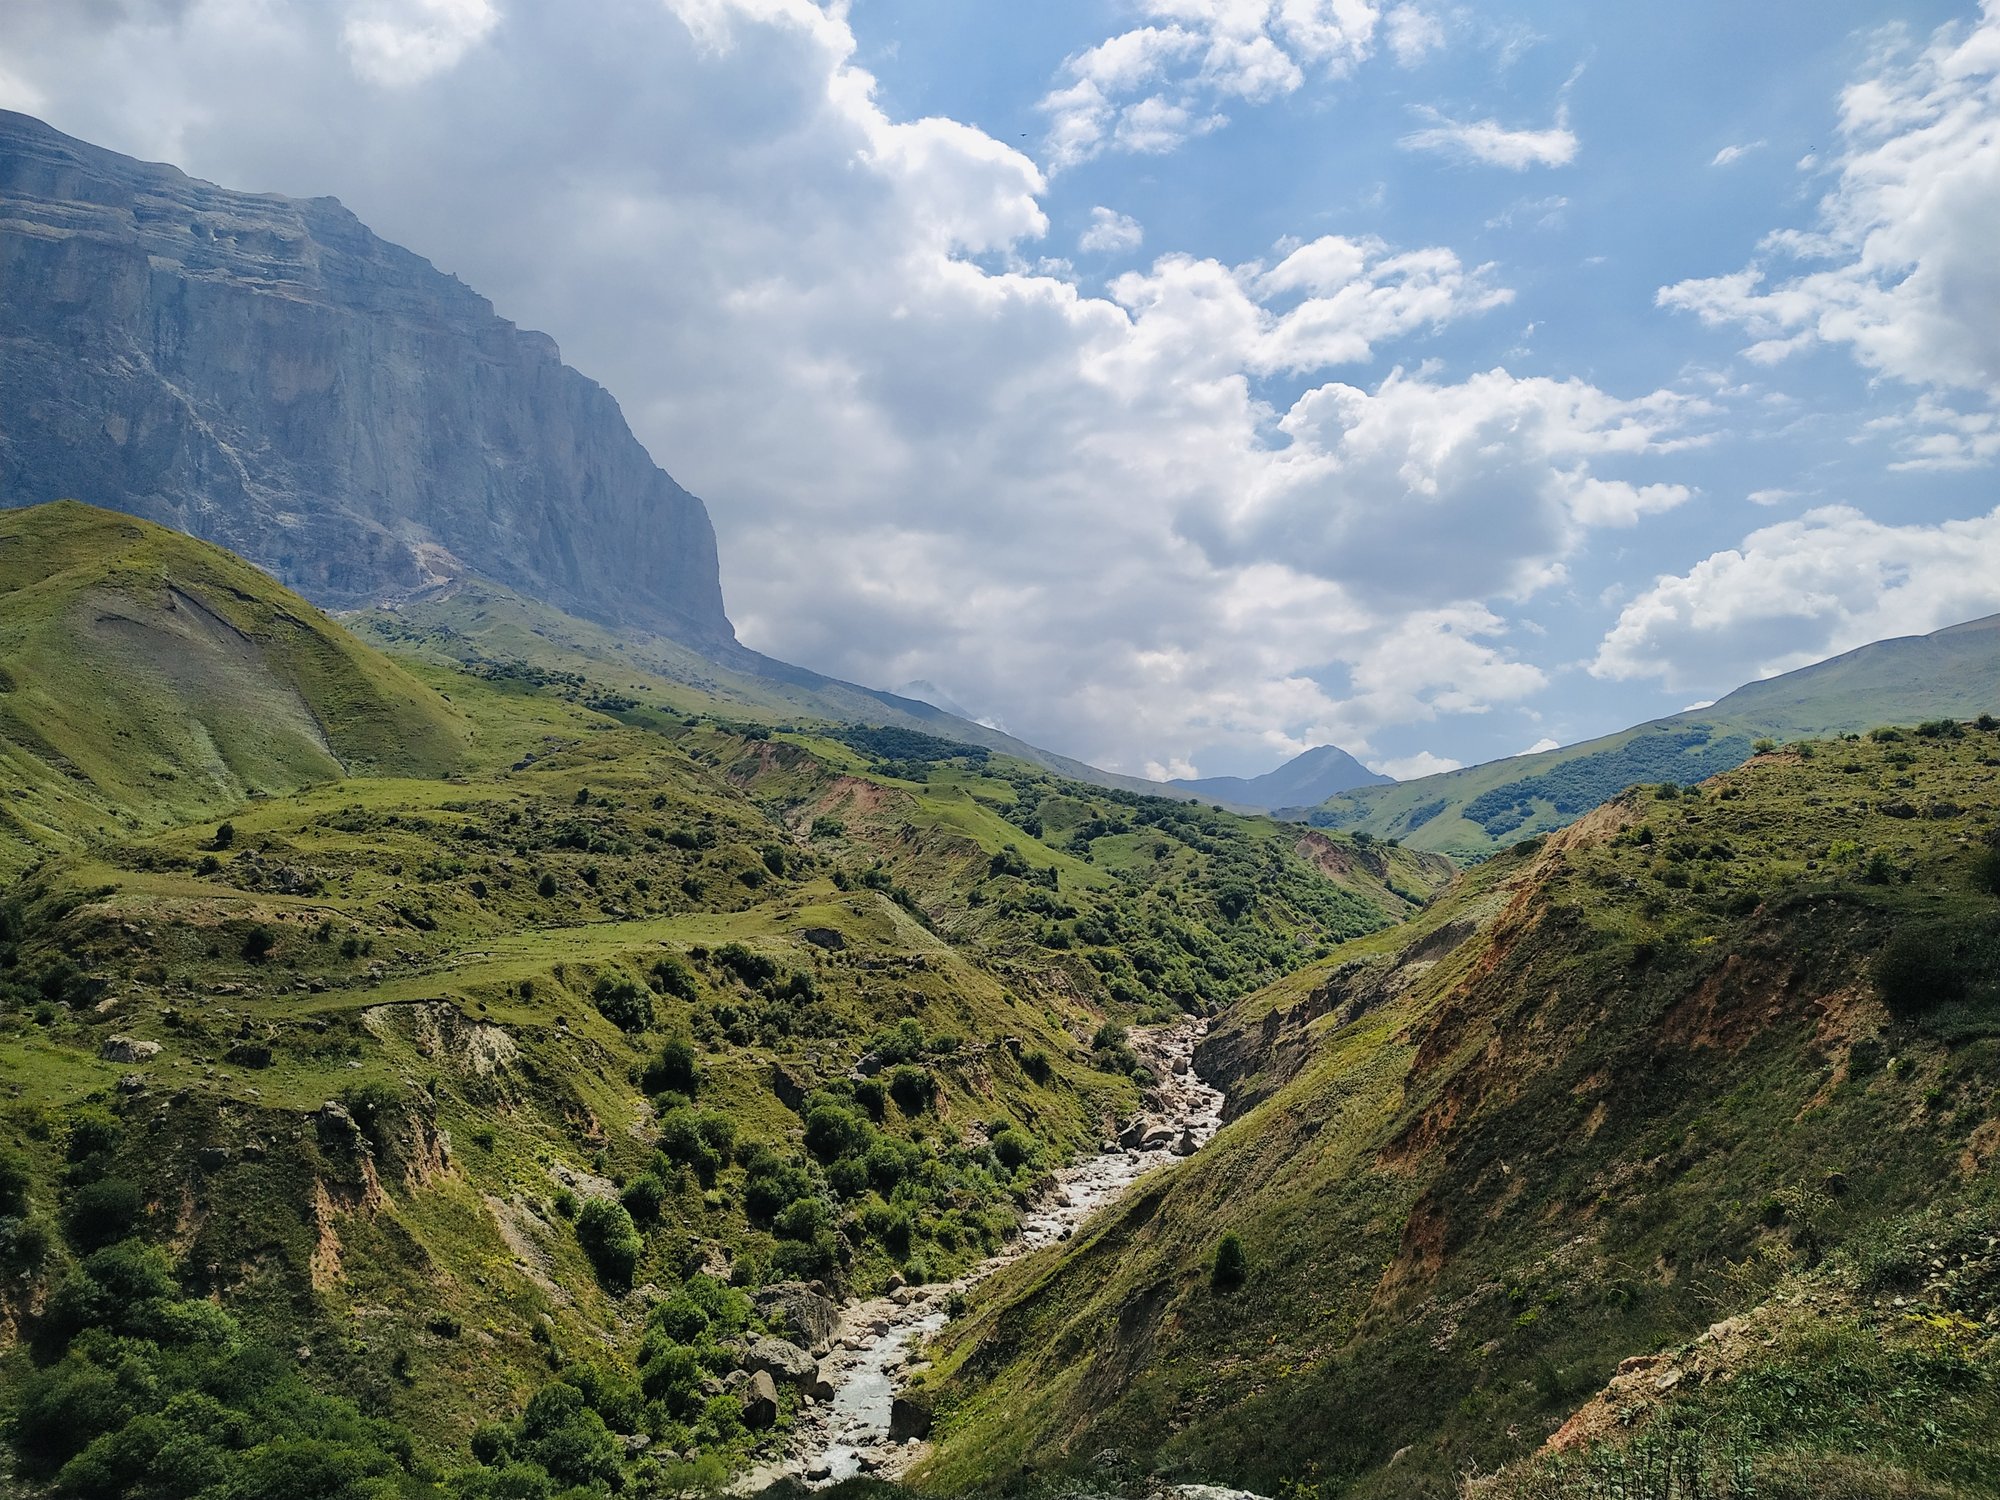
[(265, 373)]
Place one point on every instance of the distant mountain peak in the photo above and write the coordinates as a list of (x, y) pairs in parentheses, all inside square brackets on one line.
[(1311, 776)]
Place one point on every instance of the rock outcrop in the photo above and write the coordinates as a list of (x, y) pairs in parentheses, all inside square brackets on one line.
[(265, 373)]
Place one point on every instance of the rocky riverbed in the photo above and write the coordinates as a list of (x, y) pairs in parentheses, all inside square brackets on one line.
[(860, 1428)]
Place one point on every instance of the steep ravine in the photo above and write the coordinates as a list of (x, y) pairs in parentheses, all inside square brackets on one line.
[(878, 1342)]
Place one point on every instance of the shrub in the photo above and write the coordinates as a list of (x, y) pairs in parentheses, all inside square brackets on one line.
[(1229, 1268), (100, 1213), (673, 1070), (912, 1088), (258, 943), (1013, 1148), (15, 1180), (225, 835), (610, 1239), (1986, 871), (1916, 970), (672, 976), (642, 1198), (626, 1005), (546, 886)]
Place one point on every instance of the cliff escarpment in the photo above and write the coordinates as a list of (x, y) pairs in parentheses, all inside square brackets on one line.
[(265, 373)]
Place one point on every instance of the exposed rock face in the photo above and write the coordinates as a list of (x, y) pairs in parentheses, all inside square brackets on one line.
[(265, 373)]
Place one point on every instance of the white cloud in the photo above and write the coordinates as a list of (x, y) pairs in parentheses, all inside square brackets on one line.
[(1803, 590), (1489, 143), (1085, 513), (1410, 767), (397, 43), (1730, 154), (1413, 34), (1773, 496), (1544, 743), (1900, 268), (1153, 87), (1110, 233)]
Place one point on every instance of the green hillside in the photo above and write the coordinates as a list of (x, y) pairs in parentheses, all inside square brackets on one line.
[(494, 630), (149, 678), (1697, 1104), (1470, 813), (500, 1084)]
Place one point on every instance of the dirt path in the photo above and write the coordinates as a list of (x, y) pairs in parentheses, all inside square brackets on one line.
[(878, 1340)]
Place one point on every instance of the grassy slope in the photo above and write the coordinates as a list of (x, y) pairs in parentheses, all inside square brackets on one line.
[(417, 969), (1609, 1090), (485, 625), (1953, 673), (151, 678)]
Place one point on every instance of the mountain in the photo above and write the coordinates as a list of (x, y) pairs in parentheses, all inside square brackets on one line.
[(1470, 813), (1659, 1148), (1313, 776), (265, 373), (491, 1028), (149, 678)]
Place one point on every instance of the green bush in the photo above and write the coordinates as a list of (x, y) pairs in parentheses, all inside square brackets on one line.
[(626, 1005), (912, 1088), (672, 976), (610, 1239), (1917, 969), (1228, 1270), (673, 1070), (99, 1213)]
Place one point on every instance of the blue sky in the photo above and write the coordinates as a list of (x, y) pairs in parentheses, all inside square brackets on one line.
[(1183, 382)]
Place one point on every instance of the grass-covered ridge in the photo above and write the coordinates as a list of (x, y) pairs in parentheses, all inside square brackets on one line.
[(149, 677), (1616, 1087), (525, 1070), (1471, 813)]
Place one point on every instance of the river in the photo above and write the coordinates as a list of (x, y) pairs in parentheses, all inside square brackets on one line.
[(879, 1340)]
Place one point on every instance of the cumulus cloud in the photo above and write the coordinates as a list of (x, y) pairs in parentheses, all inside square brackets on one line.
[(929, 455), (1802, 590), (1899, 268), (1489, 143), (1413, 34), (1110, 233), (1152, 87), (401, 42), (1410, 767)]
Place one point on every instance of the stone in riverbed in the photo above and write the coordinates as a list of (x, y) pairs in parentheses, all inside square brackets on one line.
[(781, 1361)]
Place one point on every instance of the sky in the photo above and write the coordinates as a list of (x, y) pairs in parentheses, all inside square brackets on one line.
[(1179, 384)]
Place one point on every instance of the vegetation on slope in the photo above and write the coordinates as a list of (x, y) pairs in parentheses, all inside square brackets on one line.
[(1615, 1088), (150, 678), (500, 1092), (1474, 812)]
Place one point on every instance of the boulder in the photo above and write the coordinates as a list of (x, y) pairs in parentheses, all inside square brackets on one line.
[(810, 1317), (909, 1417), (125, 1049), (781, 1361), (249, 1055), (760, 1402), (822, 1388)]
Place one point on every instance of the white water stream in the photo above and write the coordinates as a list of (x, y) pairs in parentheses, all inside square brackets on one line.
[(878, 1340)]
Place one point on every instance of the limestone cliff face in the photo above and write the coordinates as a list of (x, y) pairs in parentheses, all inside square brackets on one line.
[(265, 373)]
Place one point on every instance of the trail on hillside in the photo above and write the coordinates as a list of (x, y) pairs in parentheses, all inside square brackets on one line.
[(879, 1341)]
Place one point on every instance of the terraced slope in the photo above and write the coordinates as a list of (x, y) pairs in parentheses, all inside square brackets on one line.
[(1471, 813), (1713, 1054)]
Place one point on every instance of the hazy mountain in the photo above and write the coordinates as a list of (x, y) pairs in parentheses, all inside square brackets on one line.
[(1953, 673), (265, 373), (1319, 773)]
